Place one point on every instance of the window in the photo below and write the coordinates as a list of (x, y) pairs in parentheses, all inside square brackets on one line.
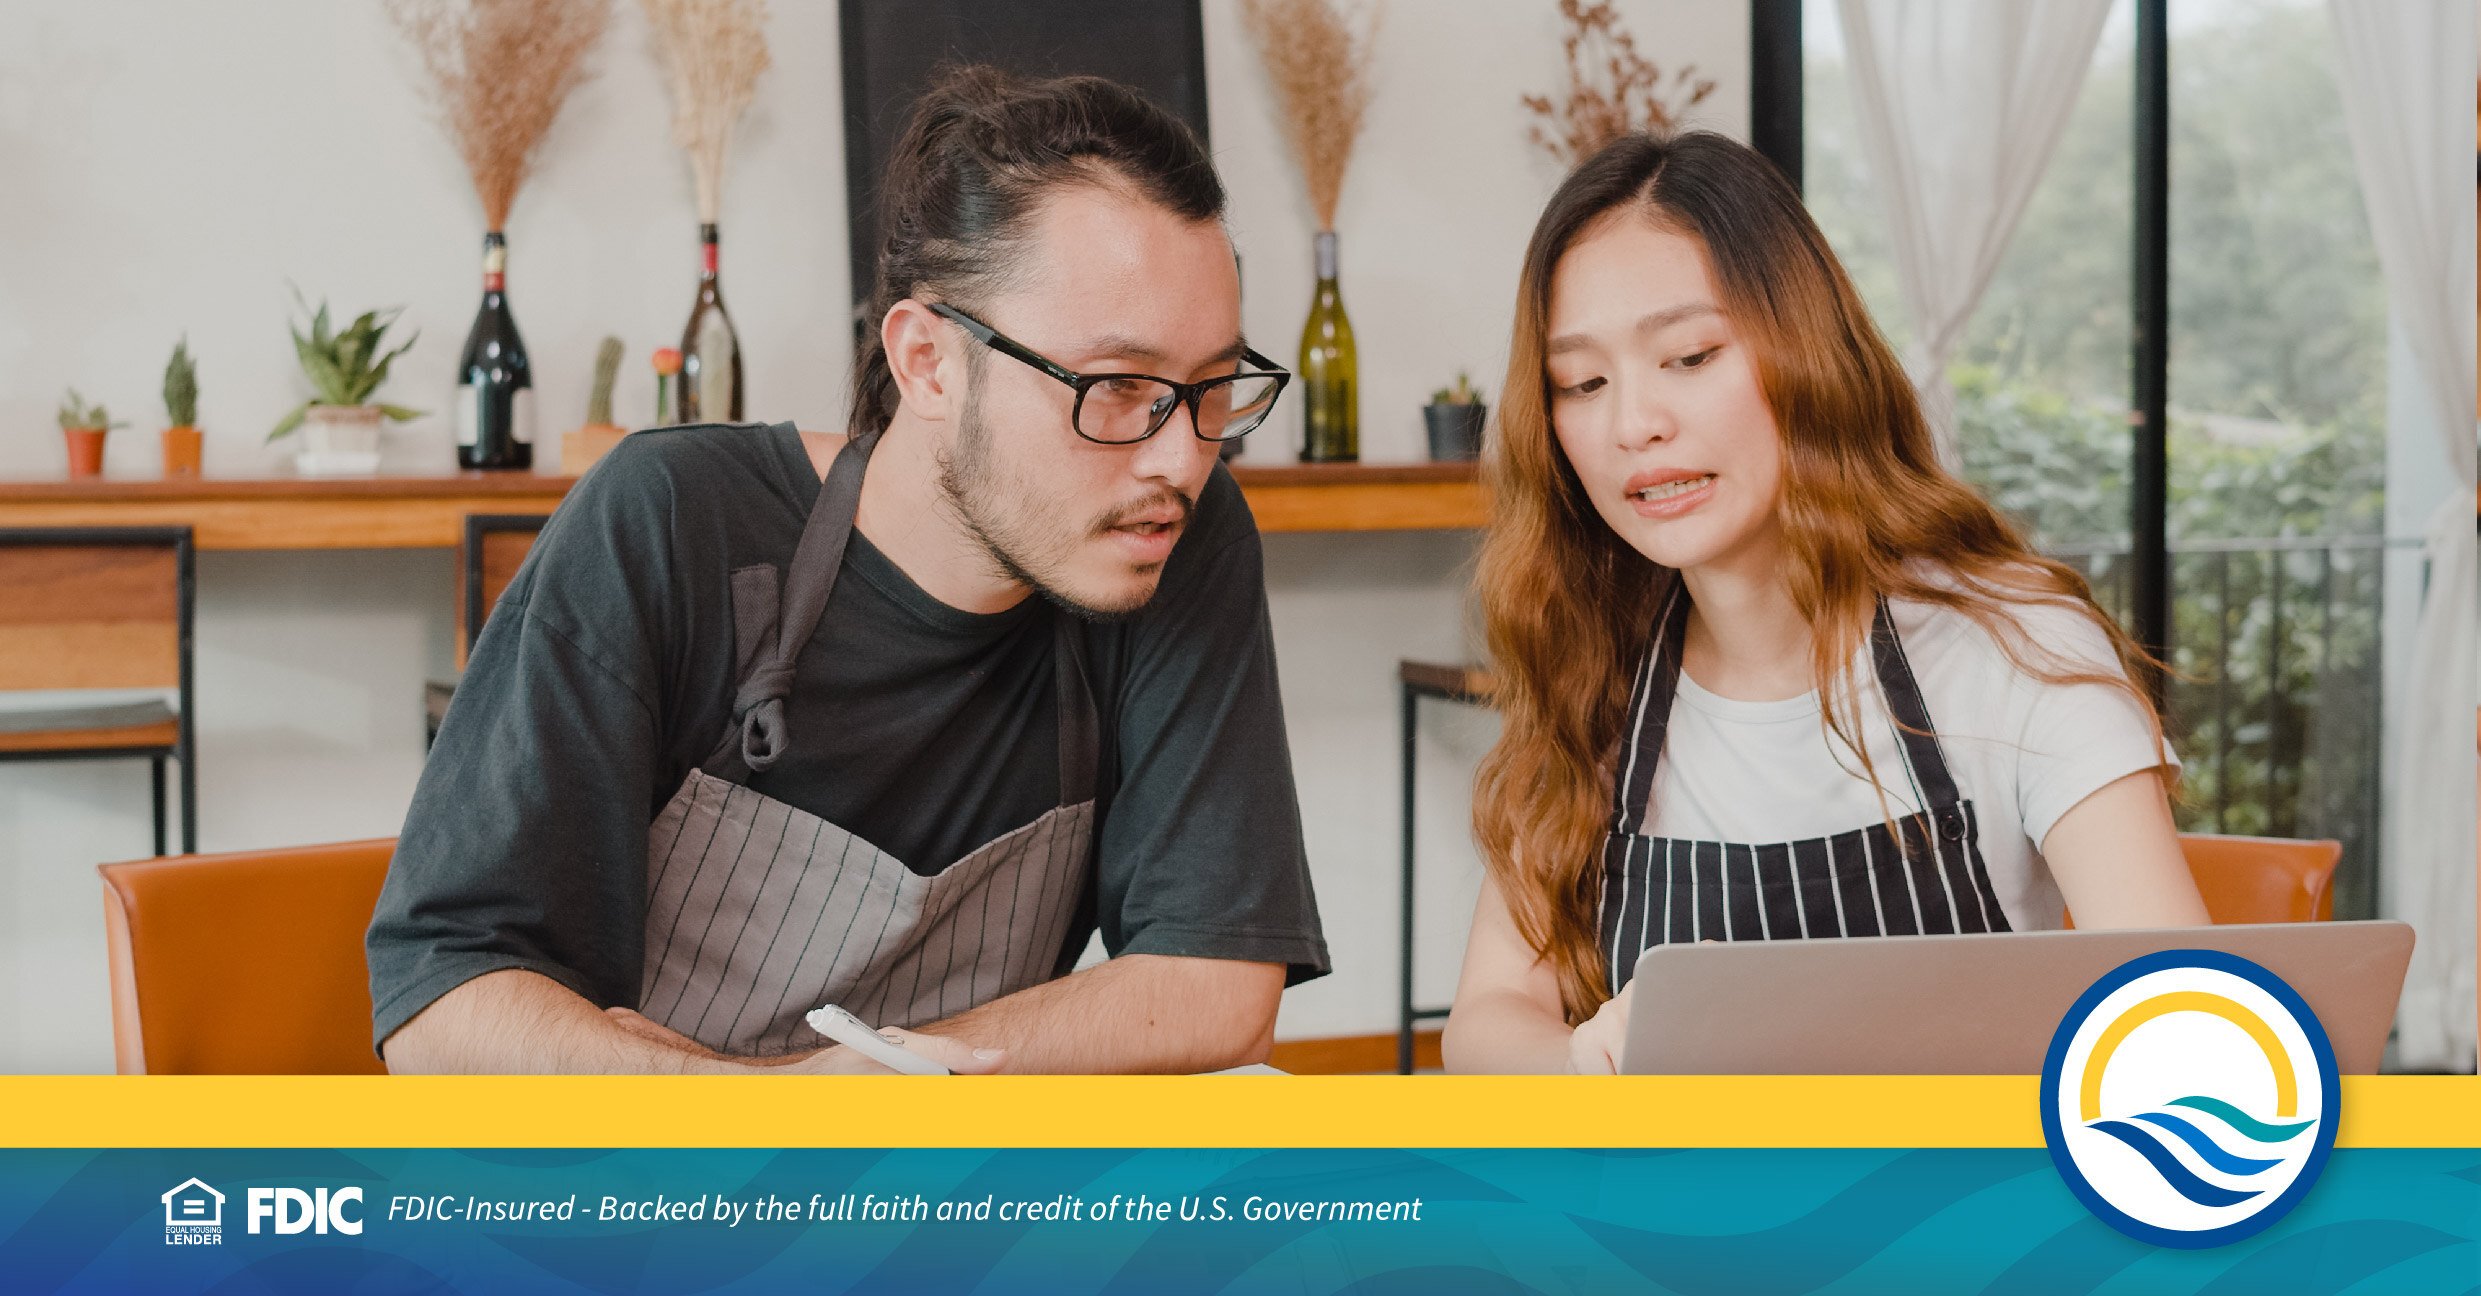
[(2278, 380)]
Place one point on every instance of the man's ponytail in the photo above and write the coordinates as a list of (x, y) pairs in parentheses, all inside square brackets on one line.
[(981, 150)]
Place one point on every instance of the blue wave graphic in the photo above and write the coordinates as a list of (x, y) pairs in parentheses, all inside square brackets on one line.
[(2151, 1141), (2330, 1258), (2071, 1262), (2207, 1149), (2183, 1180), (2262, 1131), (1822, 1245)]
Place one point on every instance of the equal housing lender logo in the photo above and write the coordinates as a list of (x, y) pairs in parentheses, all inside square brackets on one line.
[(193, 1215), (2189, 1098)]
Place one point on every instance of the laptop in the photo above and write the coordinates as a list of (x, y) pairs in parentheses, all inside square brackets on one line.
[(1984, 1004)]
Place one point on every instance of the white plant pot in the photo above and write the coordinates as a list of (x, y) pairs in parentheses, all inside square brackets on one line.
[(339, 441)]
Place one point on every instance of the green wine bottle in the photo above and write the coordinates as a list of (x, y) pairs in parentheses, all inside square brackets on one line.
[(1330, 376)]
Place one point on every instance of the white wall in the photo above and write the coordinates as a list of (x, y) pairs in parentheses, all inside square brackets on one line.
[(170, 166), (1443, 191)]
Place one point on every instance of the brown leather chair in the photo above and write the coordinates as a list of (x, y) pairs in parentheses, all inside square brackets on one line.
[(248, 963), (101, 608), (495, 547), (2263, 879)]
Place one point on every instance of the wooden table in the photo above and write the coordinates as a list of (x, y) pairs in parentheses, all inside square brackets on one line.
[(427, 512)]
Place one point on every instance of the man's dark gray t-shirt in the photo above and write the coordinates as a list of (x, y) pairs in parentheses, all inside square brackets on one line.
[(607, 672)]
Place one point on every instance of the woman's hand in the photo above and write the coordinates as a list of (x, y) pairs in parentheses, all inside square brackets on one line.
[(1594, 1047)]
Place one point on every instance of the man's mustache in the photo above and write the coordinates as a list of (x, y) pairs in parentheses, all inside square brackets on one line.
[(1156, 502)]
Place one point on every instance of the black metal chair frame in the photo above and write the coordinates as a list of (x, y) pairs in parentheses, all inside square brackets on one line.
[(1414, 688), (185, 746), (478, 525), (469, 580)]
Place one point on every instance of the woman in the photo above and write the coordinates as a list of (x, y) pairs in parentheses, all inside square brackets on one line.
[(1768, 669)]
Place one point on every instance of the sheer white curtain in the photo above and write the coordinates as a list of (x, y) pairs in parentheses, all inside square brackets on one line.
[(2408, 77), (1960, 103)]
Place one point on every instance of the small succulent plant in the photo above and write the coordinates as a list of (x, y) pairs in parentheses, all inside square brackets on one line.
[(606, 372), (181, 387), (75, 413), (346, 366), (1463, 393)]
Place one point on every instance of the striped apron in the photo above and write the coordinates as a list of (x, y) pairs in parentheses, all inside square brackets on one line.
[(757, 912), (1926, 876)]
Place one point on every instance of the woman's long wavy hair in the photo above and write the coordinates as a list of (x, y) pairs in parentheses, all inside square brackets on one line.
[(1568, 607)]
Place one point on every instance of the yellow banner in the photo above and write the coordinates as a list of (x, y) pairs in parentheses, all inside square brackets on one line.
[(1108, 1111)]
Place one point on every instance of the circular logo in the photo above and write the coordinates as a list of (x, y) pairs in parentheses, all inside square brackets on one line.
[(2189, 1098)]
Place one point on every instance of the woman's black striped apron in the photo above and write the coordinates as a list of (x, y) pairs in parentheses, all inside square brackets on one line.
[(1926, 876), (757, 912)]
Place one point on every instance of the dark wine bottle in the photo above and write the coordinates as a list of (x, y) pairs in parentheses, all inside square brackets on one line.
[(1330, 371), (710, 351), (495, 383)]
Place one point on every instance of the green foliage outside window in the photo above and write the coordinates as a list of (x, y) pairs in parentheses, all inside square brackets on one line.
[(2278, 375)]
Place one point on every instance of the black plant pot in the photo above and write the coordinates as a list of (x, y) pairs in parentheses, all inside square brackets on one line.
[(1455, 430)]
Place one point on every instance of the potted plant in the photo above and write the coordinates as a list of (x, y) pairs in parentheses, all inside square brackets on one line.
[(667, 366), (340, 425), (583, 445), (82, 426), (181, 439), (1455, 416)]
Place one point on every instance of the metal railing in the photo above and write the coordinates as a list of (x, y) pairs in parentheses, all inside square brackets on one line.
[(2275, 701)]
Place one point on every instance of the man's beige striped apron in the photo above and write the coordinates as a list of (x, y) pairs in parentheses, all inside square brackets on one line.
[(757, 912)]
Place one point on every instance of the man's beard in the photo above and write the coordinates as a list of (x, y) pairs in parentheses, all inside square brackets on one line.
[(1012, 543)]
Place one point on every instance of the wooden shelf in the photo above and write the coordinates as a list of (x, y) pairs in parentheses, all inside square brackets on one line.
[(386, 512), (428, 512), (1363, 497)]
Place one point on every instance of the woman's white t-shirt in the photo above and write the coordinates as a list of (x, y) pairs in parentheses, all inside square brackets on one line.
[(2023, 751)]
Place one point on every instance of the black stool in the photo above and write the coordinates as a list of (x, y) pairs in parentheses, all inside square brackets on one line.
[(1417, 680), (496, 545)]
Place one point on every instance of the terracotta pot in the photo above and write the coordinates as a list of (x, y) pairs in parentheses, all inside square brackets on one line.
[(181, 451), (85, 451), (580, 447)]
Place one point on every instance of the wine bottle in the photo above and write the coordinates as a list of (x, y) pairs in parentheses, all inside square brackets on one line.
[(1330, 376), (710, 351), (495, 383)]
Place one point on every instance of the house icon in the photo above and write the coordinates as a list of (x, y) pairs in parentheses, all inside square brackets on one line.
[(194, 1203)]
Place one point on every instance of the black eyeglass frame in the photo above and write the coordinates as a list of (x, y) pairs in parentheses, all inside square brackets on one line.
[(1190, 394)]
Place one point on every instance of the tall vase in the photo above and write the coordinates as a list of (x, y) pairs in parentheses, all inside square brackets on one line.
[(1330, 376)]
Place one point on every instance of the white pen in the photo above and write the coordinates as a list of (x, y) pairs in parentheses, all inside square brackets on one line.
[(853, 1033)]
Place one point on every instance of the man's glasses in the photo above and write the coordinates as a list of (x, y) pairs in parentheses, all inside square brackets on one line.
[(1122, 408)]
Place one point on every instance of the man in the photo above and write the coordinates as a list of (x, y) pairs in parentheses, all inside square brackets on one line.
[(910, 711)]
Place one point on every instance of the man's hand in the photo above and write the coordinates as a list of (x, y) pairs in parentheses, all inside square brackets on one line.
[(653, 1032), (955, 1055), (1137, 1012)]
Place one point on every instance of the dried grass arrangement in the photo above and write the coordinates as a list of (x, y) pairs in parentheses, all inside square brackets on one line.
[(1612, 89), (499, 71), (714, 52), (1321, 71)]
